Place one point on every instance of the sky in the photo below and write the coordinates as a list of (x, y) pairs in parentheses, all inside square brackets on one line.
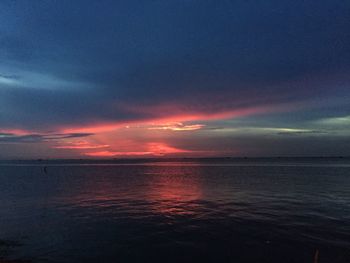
[(174, 78)]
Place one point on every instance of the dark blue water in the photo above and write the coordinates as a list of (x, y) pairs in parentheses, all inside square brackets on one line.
[(176, 212)]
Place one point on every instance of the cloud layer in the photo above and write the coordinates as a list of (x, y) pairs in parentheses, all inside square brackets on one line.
[(92, 68)]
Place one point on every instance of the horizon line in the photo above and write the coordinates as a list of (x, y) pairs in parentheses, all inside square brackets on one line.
[(176, 158)]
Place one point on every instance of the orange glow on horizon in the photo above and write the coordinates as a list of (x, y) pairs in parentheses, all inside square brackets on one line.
[(111, 154), (152, 149), (171, 119), (162, 149), (153, 136)]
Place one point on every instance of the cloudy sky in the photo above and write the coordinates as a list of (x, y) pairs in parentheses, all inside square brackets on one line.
[(94, 79)]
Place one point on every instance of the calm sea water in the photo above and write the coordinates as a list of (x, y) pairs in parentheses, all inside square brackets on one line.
[(232, 211)]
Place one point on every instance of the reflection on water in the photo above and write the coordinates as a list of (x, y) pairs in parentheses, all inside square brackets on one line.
[(164, 190), (168, 190), (176, 213), (172, 190)]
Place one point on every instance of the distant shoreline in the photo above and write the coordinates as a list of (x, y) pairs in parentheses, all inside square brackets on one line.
[(184, 159)]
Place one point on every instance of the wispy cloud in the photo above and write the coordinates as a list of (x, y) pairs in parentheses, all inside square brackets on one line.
[(8, 79), (37, 80), (267, 130), (174, 117), (80, 145), (31, 138), (335, 121), (176, 126)]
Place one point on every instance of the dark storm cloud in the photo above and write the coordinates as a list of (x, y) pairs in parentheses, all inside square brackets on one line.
[(201, 56)]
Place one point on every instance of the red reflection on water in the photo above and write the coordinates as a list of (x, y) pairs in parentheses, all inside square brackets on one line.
[(135, 190), (174, 190)]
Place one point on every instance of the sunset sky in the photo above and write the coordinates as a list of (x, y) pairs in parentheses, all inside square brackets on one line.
[(174, 78)]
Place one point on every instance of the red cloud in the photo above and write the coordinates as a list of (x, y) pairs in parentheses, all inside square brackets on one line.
[(81, 145), (18, 132), (112, 153), (173, 114), (154, 148)]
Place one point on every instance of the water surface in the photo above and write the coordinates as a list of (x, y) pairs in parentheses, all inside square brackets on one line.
[(205, 211)]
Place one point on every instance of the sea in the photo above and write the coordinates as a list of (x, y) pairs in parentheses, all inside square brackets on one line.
[(239, 210)]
